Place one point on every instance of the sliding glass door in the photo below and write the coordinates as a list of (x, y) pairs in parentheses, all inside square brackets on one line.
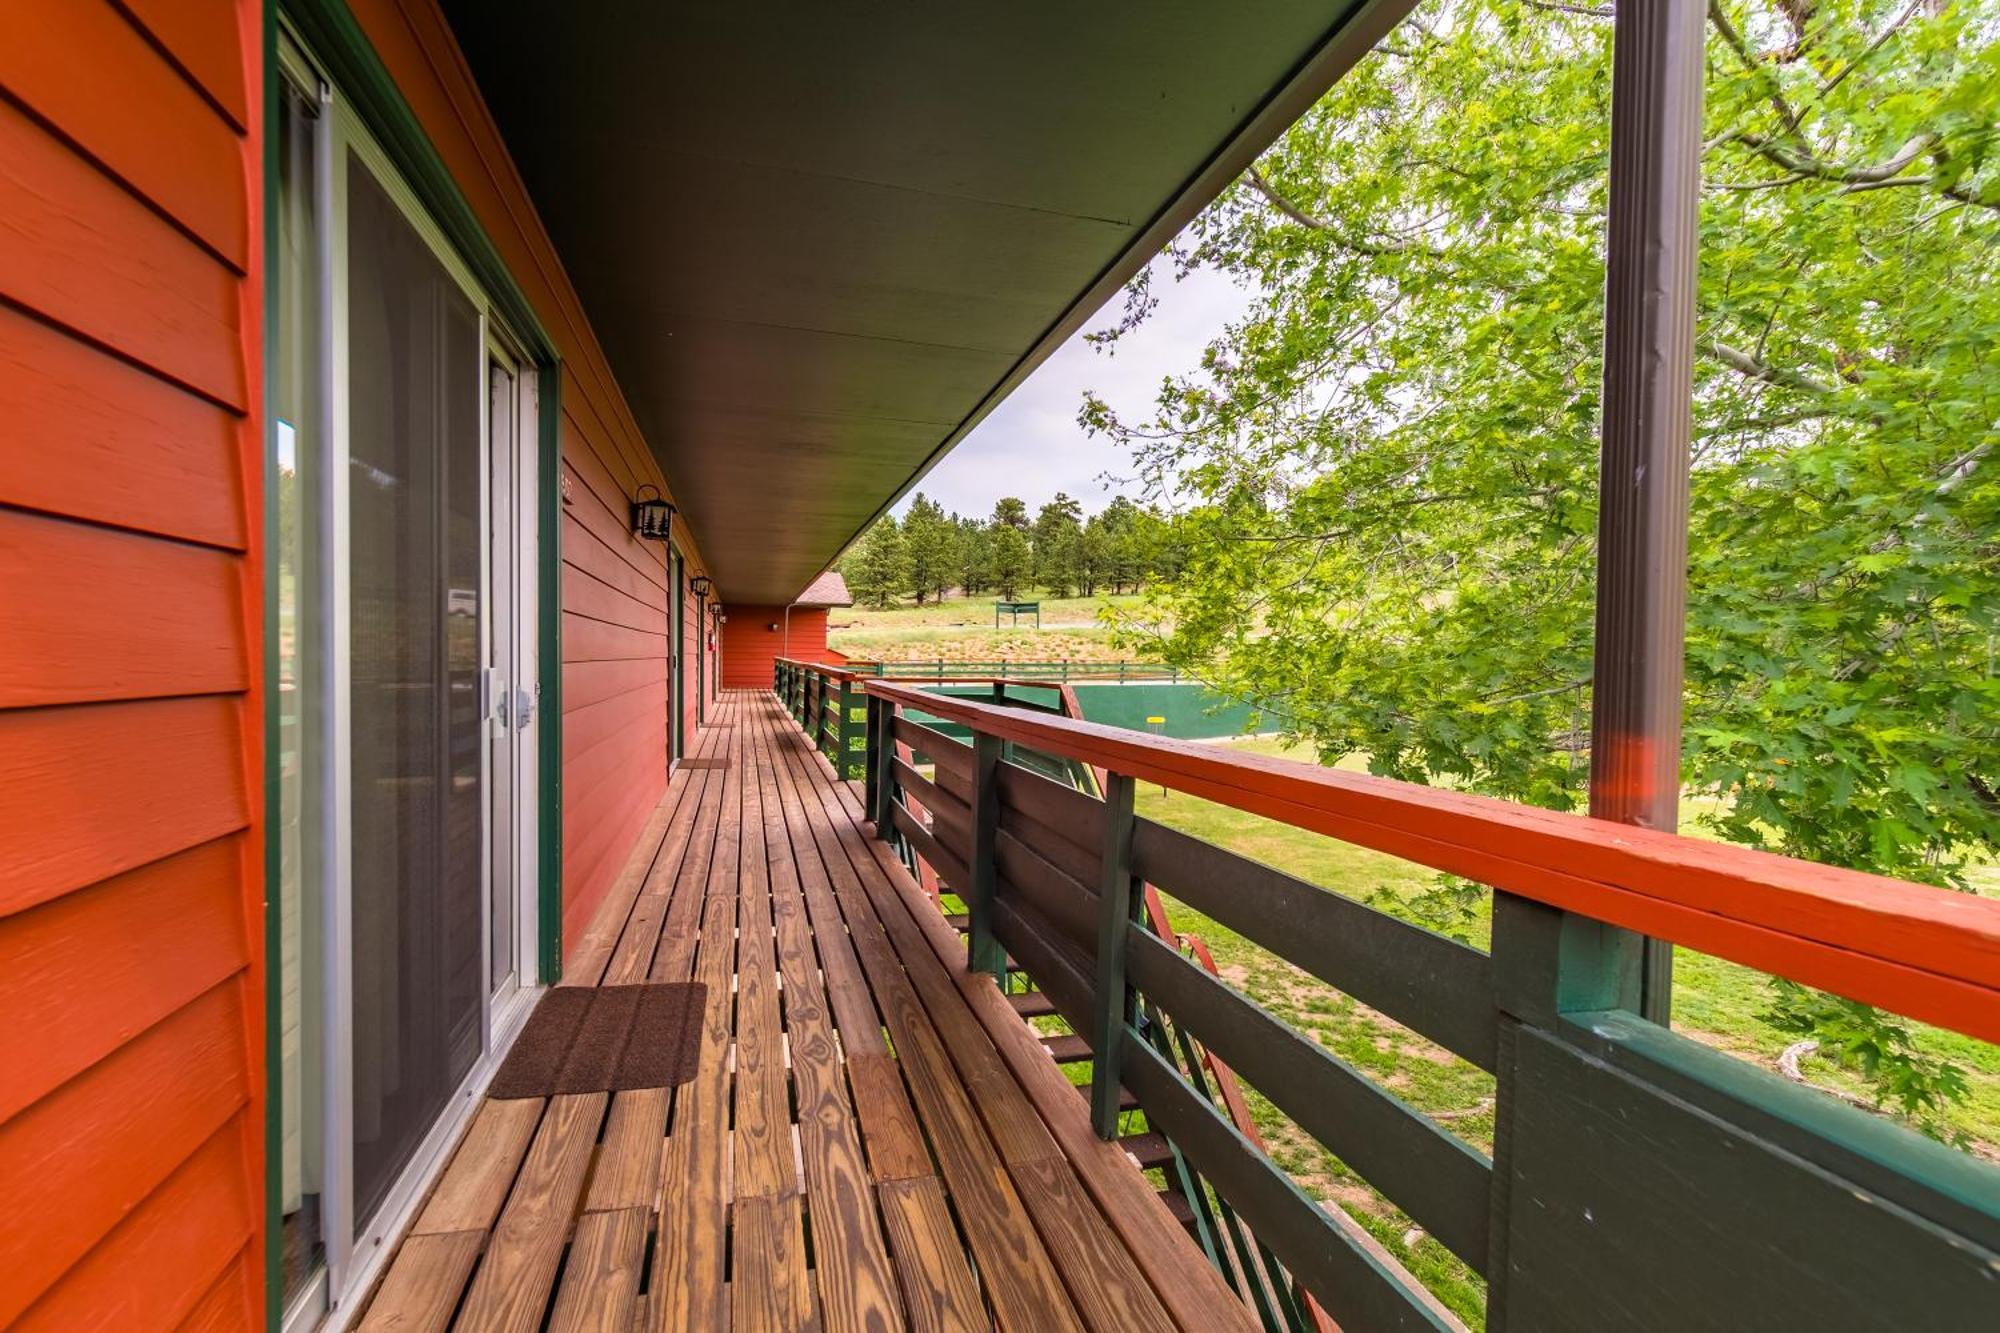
[(406, 559)]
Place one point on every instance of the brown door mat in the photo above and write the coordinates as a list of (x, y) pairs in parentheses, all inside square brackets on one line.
[(605, 1039), (705, 761)]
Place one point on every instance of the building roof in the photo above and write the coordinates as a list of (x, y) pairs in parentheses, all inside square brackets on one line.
[(829, 589)]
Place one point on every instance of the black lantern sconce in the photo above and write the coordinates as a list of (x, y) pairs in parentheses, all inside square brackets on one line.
[(700, 583), (652, 518)]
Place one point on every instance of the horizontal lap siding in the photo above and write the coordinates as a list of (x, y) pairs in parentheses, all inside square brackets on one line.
[(131, 886), (750, 645), (615, 623)]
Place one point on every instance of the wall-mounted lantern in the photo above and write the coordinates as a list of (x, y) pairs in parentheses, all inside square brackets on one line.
[(652, 519), (701, 584)]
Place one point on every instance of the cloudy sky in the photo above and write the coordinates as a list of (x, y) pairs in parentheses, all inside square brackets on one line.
[(1031, 445)]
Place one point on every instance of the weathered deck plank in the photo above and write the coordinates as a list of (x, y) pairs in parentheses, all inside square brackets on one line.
[(855, 1089)]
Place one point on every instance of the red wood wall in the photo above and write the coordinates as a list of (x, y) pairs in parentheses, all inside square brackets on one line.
[(131, 737), (750, 645), (614, 587)]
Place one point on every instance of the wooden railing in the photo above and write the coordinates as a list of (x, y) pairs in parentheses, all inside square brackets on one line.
[(1639, 1179), (1081, 672), (827, 703)]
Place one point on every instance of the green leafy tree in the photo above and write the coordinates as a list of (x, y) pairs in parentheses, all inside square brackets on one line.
[(1010, 512), (931, 541), (1390, 463), (877, 570)]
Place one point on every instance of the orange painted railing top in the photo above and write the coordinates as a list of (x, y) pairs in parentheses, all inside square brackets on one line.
[(1925, 952)]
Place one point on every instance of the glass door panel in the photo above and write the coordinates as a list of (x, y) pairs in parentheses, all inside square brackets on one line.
[(414, 552)]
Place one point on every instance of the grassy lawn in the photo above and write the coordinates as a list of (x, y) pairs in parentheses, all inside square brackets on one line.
[(973, 612), (1715, 1002), (961, 630)]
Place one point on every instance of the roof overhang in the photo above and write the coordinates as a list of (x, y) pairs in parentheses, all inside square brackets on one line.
[(820, 242)]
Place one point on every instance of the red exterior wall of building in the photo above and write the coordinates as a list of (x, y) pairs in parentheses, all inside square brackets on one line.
[(131, 649), (750, 645)]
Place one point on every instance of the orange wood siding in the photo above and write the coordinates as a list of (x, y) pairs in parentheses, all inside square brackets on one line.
[(614, 587), (750, 645), (131, 732)]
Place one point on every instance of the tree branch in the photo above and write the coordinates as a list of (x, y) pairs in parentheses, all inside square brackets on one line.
[(1805, 164), (1746, 364), (1587, 11), (1895, 25), (1734, 40), (1311, 223)]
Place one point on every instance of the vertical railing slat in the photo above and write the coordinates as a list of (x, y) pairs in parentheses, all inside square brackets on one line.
[(984, 953), (1114, 1002)]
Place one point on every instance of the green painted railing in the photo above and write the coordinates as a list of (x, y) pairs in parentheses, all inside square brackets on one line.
[(1639, 1180)]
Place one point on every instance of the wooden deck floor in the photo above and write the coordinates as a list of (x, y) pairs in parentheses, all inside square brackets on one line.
[(874, 1139)]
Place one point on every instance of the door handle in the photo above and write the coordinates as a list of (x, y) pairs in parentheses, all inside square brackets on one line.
[(524, 708), (492, 695)]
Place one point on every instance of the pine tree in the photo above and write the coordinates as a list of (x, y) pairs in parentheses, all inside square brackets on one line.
[(1012, 560), (878, 568), (975, 556), (1059, 544), (929, 539)]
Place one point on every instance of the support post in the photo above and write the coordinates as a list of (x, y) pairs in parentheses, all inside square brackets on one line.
[(1115, 1010), (1649, 303), (983, 952)]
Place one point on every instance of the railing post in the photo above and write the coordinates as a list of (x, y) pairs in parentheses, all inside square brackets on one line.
[(849, 732), (1117, 906), (871, 751), (883, 759), (983, 952)]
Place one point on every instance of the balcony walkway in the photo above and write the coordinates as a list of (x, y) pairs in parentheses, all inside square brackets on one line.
[(874, 1140)]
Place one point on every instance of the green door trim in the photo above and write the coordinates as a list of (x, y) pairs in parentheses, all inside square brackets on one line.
[(335, 38), (676, 654)]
